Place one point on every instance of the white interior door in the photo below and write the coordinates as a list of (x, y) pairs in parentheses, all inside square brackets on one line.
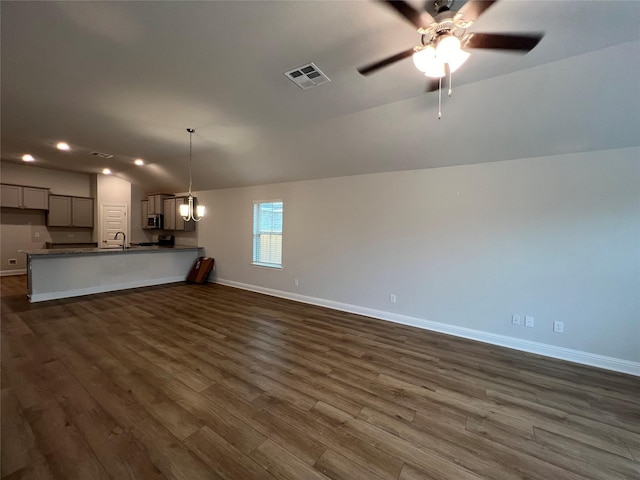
[(113, 219)]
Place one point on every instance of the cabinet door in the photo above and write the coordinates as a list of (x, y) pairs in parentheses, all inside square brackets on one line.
[(159, 204), (35, 198), (179, 219), (11, 196), (169, 206), (144, 213), (155, 204), (181, 225), (82, 212), (59, 211)]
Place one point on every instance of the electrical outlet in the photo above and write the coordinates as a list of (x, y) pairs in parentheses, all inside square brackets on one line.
[(392, 298), (295, 282), (558, 327), (515, 319), (528, 322), (13, 261)]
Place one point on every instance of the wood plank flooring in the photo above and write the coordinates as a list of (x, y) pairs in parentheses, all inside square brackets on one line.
[(209, 382)]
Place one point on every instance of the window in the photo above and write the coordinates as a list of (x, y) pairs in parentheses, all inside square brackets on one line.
[(267, 233)]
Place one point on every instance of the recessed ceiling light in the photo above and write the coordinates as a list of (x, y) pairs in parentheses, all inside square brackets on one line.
[(106, 171), (27, 158), (138, 161), (62, 146)]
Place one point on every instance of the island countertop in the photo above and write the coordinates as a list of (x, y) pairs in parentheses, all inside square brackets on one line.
[(101, 251)]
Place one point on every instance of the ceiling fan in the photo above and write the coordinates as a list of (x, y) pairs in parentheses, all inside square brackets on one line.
[(445, 41)]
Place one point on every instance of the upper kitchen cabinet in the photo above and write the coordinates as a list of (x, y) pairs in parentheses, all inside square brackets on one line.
[(82, 212), (65, 211), (18, 196), (169, 205), (181, 225), (144, 213), (172, 217), (156, 203)]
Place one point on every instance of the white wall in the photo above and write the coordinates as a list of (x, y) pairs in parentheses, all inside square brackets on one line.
[(557, 238), (60, 183)]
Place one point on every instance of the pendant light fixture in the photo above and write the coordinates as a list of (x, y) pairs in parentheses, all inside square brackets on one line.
[(187, 211)]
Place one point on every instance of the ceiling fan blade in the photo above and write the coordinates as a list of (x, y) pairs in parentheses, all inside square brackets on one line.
[(369, 69), (474, 8), (500, 41), (416, 18)]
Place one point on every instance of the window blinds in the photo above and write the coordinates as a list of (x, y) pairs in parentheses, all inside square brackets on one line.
[(267, 233)]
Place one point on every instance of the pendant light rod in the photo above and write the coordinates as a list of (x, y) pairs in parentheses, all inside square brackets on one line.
[(190, 211), (191, 132)]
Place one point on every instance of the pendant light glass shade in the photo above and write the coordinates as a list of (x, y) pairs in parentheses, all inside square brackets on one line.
[(184, 210)]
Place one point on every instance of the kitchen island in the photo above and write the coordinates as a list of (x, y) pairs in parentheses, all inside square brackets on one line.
[(73, 272)]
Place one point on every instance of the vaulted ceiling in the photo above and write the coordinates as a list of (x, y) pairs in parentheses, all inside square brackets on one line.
[(128, 78)]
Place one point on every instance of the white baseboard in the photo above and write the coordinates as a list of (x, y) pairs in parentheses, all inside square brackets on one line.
[(576, 356), (8, 273), (42, 297)]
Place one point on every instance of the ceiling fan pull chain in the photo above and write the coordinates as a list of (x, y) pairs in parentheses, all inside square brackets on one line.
[(440, 98), (450, 84)]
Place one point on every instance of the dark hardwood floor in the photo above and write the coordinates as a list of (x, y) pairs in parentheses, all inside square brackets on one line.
[(209, 382)]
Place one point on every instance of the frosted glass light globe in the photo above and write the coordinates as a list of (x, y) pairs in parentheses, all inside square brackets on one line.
[(425, 61)]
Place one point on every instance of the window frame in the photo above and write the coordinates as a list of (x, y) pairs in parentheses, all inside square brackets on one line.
[(254, 261)]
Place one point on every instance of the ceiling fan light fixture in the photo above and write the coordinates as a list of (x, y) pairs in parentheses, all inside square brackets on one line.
[(458, 59), (425, 61), (448, 48)]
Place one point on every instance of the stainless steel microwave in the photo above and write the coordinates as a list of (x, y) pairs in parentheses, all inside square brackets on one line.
[(154, 221)]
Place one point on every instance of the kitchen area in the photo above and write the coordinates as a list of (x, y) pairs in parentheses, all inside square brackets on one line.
[(60, 229)]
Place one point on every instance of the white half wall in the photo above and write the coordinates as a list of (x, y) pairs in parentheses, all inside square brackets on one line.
[(463, 248)]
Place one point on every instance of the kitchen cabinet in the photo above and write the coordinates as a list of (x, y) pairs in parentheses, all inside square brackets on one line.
[(144, 212), (82, 212), (18, 196), (169, 205), (156, 203), (65, 211), (172, 218), (59, 211), (181, 225)]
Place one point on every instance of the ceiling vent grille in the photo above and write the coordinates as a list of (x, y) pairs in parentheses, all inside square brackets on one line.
[(101, 155), (307, 76)]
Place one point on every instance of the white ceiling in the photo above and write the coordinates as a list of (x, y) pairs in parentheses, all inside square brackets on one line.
[(128, 78)]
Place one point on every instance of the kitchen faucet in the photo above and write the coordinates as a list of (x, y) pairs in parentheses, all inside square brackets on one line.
[(124, 239)]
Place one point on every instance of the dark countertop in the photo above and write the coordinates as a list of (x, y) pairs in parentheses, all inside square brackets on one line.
[(102, 251)]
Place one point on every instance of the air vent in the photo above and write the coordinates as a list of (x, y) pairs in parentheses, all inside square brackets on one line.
[(307, 76), (101, 155)]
